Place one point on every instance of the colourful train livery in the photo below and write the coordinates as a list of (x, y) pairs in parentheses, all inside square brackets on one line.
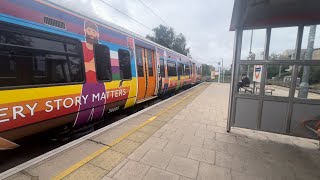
[(58, 67)]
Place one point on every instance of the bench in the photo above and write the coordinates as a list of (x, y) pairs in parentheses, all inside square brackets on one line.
[(247, 89), (266, 89)]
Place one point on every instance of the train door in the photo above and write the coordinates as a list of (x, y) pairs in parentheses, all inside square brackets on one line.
[(146, 74), (151, 75)]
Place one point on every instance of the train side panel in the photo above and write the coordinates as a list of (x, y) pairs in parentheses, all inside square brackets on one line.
[(105, 58)]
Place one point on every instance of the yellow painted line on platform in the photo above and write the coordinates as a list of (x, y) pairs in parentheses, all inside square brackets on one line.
[(81, 163), (116, 141)]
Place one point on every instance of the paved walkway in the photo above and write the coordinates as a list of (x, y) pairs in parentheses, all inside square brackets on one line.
[(185, 138)]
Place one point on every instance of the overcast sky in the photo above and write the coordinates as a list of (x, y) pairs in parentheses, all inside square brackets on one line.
[(205, 23)]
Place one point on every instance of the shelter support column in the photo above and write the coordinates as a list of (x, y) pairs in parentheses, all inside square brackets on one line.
[(234, 77)]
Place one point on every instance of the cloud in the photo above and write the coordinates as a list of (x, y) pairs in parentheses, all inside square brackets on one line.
[(205, 23)]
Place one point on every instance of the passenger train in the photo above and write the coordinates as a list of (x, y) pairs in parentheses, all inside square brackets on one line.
[(58, 67)]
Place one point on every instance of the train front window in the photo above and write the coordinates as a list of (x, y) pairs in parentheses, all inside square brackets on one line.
[(38, 58), (125, 65)]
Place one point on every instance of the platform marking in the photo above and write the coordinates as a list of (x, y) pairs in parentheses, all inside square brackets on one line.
[(119, 139)]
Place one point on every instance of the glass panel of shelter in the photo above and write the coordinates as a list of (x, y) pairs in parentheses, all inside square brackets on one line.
[(278, 78), (253, 43), (308, 78), (249, 79)]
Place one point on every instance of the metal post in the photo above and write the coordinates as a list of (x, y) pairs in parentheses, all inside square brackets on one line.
[(219, 75), (234, 77), (222, 72), (304, 86), (250, 54), (280, 69), (294, 78), (263, 77)]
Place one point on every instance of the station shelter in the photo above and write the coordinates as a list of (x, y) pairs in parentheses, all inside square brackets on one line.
[(275, 46)]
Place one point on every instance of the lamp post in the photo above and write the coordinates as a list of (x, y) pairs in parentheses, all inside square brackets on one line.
[(304, 86), (220, 63)]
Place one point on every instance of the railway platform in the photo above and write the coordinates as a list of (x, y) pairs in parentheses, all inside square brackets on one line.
[(181, 138)]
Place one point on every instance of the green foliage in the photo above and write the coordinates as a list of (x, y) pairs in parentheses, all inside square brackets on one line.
[(314, 76), (167, 37), (273, 71)]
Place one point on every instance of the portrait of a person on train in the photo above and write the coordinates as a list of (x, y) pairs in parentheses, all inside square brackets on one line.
[(91, 109)]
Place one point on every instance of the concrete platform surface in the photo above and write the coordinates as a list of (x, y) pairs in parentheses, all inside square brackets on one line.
[(183, 138)]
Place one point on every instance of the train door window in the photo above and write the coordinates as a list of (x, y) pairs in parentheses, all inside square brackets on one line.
[(36, 58), (139, 60), (150, 66), (103, 63), (172, 68), (125, 65), (162, 68), (183, 70)]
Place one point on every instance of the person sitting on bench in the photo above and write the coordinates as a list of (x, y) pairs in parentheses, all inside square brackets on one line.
[(245, 82)]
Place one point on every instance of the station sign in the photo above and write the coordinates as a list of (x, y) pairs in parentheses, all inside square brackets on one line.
[(257, 71)]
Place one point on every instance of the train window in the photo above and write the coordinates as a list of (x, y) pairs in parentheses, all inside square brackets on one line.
[(139, 60), (2, 38), (181, 69), (150, 67), (103, 63), (172, 68), (125, 65), (187, 72), (162, 68), (35, 42), (72, 48), (27, 59)]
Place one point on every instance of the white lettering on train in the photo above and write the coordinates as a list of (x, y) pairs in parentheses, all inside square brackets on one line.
[(22, 111), (4, 115), (17, 110), (32, 108)]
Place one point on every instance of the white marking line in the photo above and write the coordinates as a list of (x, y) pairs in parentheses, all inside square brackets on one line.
[(60, 149)]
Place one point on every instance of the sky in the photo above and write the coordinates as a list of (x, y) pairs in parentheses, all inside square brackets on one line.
[(205, 23)]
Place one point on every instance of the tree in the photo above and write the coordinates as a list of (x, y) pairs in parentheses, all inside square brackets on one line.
[(167, 37)]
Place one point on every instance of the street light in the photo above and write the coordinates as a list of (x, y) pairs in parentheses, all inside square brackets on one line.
[(304, 85), (220, 67)]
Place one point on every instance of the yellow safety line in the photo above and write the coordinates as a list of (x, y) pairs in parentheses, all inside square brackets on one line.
[(105, 148)]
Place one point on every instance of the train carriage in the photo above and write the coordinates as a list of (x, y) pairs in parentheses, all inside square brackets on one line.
[(59, 67)]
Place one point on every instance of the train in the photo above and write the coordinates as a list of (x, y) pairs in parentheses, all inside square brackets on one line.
[(59, 66)]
